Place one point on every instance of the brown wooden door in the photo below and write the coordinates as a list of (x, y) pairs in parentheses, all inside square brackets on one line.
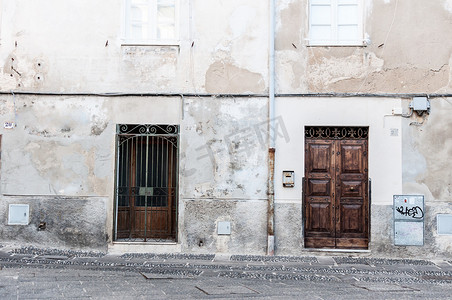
[(146, 186), (336, 193)]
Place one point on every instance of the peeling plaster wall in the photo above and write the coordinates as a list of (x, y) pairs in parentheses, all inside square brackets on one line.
[(67, 47), (409, 51), (427, 150), (231, 53), (246, 217), (415, 161), (63, 147), (80, 52), (60, 159), (57, 146), (385, 157), (224, 174)]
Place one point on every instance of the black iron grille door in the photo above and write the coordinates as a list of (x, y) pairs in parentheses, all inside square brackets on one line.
[(146, 182)]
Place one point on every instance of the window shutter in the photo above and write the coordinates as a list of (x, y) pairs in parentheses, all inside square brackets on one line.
[(347, 20), (321, 20), (166, 12), (335, 22)]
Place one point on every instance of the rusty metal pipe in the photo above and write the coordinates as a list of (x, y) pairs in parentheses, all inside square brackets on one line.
[(271, 203)]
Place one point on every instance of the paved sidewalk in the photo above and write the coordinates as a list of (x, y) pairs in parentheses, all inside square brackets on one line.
[(32, 273)]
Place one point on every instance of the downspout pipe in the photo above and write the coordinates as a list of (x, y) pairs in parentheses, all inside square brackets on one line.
[(271, 137)]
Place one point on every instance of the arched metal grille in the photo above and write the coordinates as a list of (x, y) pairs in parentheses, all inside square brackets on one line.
[(146, 182), (336, 132)]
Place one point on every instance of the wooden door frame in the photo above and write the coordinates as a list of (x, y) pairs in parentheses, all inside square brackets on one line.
[(165, 192), (328, 235)]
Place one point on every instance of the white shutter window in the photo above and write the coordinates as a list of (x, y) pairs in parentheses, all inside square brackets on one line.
[(166, 12), (335, 22), (139, 20), (151, 21)]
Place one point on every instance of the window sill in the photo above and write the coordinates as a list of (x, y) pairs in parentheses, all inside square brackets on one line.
[(336, 44), (151, 43)]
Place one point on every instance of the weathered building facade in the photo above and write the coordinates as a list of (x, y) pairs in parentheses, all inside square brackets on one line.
[(244, 127)]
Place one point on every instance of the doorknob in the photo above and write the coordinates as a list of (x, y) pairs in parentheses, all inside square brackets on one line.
[(352, 188)]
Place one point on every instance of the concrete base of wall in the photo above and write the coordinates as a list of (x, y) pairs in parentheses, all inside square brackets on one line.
[(248, 226), (382, 236), (70, 222), (121, 248)]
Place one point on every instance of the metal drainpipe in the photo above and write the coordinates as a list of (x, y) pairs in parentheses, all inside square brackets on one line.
[(271, 137)]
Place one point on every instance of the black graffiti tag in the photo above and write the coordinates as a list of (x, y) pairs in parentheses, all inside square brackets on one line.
[(414, 212)]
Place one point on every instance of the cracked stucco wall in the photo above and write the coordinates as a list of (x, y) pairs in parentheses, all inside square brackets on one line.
[(80, 52), (56, 146), (60, 160), (409, 51), (224, 174), (427, 151), (64, 146)]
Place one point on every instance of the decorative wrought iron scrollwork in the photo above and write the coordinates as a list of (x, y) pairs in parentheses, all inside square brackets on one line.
[(336, 132), (147, 129)]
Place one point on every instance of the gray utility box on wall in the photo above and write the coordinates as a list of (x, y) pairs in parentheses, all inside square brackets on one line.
[(408, 220)]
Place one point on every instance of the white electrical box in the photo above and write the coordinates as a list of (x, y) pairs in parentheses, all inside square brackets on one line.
[(397, 111), (18, 214), (444, 224), (420, 104), (224, 228), (288, 179)]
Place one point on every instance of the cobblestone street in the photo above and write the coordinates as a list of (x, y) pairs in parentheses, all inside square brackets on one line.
[(31, 273)]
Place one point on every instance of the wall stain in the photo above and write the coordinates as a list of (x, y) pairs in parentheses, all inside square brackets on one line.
[(223, 77)]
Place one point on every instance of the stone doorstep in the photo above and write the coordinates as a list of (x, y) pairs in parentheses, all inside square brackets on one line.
[(225, 289), (53, 257)]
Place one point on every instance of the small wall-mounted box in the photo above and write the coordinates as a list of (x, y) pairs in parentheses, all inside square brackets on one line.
[(420, 105), (288, 179), (224, 228), (18, 214), (444, 224)]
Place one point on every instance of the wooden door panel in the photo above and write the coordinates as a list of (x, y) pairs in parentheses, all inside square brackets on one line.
[(319, 187), (352, 188), (351, 199), (319, 223), (351, 158), (320, 218), (352, 243), (320, 242), (123, 224), (351, 218), (335, 195), (158, 221), (319, 157)]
